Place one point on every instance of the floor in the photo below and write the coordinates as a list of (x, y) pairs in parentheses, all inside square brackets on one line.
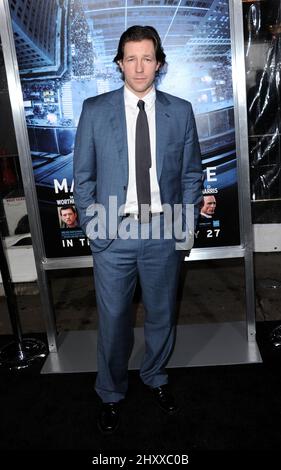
[(234, 407)]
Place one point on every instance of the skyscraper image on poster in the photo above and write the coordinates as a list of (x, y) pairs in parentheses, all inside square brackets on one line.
[(65, 51)]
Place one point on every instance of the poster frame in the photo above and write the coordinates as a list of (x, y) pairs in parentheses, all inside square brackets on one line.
[(44, 264)]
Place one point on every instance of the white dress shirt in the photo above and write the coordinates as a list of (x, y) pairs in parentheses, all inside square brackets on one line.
[(132, 110)]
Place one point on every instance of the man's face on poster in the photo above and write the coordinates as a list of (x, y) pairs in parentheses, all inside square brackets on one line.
[(209, 206), (69, 217)]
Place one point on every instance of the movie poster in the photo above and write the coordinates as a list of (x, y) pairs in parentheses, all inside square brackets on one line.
[(65, 50)]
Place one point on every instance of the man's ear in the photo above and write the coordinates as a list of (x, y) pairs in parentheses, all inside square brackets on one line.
[(120, 64)]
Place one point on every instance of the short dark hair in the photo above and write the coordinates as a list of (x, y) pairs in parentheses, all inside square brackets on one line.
[(138, 33), (66, 207)]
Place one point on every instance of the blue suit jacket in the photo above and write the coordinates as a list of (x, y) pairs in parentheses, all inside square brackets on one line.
[(101, 155)]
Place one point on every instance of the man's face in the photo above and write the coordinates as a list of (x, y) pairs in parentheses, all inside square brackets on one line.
[(139, 66), (209, 205), (69, 217)]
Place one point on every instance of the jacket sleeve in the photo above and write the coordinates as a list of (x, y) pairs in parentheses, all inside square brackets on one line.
[(192, 173), (84, 167)]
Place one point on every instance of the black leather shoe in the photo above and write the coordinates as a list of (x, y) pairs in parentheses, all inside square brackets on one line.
[(165, 399), (108, 420)]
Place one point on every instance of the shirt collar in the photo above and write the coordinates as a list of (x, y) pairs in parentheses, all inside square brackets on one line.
[(132, 100)]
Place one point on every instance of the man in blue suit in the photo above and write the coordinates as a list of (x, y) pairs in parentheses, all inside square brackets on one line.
[(136, 150)]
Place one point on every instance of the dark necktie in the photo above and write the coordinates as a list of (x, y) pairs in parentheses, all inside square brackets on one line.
[(143, 163)]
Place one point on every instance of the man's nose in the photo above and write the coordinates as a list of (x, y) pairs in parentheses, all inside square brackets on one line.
[(139, 66)]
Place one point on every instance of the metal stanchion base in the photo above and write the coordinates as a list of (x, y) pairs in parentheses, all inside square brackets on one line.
[(20, 355), (275, 337)]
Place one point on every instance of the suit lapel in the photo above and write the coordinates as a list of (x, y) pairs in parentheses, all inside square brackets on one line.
[(119, 128), (162, 123)]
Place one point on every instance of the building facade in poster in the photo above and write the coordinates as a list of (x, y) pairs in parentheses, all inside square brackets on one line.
[(65, 52)]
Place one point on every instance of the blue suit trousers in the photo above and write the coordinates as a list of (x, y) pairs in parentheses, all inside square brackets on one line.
[(157, 264)]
